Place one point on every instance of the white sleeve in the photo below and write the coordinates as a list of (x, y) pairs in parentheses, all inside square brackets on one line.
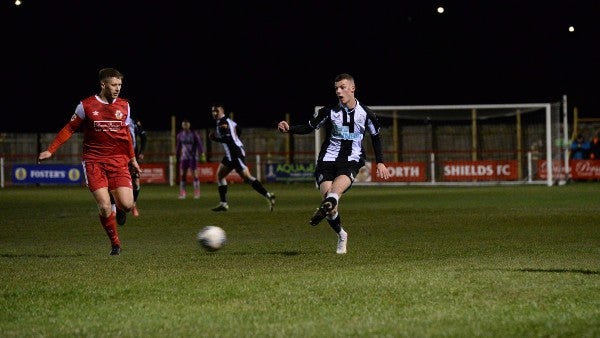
[(131, 124), (79, 111)]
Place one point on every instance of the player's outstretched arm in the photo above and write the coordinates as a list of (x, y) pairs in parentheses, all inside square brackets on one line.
[(382, 171), (44, 155), (283, 127), (63, 135)]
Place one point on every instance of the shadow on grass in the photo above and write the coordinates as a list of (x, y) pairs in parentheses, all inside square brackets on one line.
[(282, 253), (38, 255), (581, 271), (285, 253)]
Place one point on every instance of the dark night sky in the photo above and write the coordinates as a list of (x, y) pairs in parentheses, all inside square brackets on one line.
[(268, 58)]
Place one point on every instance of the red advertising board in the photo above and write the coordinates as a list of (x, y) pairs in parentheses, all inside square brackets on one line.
[(399, 172), (579, 169), (159, 173), (153, 173), (585, 169), (208, 173), (558, 169), (453, 171), (480, 170)]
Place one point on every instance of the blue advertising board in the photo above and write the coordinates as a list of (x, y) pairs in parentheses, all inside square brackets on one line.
[(47, 174), (290, 172)]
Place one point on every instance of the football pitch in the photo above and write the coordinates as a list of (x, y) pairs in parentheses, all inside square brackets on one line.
[(503, 261)]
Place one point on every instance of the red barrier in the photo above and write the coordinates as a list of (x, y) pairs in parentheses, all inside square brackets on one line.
[(159, 173), (579, 169), (208, 172), (480, 170), (153, 173), (399, 172)]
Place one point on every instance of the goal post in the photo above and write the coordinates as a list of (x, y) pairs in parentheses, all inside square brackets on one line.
[(475, 144)]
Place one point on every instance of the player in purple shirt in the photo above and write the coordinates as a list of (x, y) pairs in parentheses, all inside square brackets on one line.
[(189, 148)]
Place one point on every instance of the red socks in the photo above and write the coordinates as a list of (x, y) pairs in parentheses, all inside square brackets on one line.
[(110, 226)]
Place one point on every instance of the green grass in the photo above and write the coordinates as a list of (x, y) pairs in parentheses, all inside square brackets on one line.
[(422, 262)]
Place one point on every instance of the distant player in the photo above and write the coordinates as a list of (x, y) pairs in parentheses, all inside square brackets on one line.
[(189, 147), (140, 147), (136, 131), (235, 158)]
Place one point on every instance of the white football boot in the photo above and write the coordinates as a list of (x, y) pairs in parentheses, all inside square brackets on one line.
[(342, 240)]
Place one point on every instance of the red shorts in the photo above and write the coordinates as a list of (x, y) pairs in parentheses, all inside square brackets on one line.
[(102, 174)]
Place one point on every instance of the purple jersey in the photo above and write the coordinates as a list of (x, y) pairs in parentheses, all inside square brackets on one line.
[(189, 146)]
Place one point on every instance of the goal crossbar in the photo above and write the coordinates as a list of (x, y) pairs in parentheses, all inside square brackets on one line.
[(547, 117)]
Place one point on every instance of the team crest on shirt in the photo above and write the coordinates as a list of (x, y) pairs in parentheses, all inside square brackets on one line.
[(118, 114)]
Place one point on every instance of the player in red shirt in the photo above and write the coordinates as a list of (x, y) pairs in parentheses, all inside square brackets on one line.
[(107, 149)]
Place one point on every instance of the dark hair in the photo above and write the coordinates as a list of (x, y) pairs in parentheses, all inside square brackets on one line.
[(218, 105), (106, 73), (344, 76)]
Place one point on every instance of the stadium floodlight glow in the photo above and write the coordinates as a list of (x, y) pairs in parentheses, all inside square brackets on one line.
[(440, 10), (18, 2)]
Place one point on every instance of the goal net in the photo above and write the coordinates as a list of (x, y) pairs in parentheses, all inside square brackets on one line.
[(469, 144)]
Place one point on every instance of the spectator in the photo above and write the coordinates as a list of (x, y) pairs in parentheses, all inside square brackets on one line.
[(595, 147), (580, 148)]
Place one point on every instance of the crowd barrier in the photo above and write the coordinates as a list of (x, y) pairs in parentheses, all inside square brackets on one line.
[(400, 172)]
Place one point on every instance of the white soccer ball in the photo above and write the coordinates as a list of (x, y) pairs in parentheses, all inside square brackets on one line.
[(211, 238)]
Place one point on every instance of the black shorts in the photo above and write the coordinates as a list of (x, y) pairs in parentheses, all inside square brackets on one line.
[(236, 163), (328, 171)]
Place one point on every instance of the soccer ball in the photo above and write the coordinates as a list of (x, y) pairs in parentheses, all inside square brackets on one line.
[(211, 238)]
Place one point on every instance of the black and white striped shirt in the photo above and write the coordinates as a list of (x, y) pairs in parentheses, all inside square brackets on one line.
[(345, 129), (228, 137)]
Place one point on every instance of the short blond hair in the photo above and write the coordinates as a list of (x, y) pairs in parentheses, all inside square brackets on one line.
[(106, 73)]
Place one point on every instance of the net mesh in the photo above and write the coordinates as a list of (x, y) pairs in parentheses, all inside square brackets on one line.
[(473, 143)]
